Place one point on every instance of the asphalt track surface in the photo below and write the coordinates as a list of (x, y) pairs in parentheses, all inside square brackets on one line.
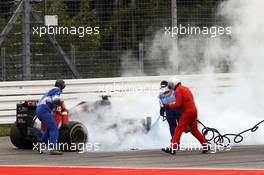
[(239, 157)]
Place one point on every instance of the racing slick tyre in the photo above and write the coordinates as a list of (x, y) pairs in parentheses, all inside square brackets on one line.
[(18, 139), (73, 137)]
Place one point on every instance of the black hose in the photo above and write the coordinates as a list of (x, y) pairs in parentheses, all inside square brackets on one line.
[(225, 140)]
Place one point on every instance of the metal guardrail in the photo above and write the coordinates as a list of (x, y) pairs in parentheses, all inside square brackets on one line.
[(12, 93)]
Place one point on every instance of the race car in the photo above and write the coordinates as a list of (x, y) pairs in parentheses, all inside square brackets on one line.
[(99, 116), (26, 131)]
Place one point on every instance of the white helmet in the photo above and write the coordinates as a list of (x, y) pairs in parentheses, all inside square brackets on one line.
[(173, 82)]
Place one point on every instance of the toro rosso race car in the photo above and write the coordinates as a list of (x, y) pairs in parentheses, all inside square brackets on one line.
[(26, 131)]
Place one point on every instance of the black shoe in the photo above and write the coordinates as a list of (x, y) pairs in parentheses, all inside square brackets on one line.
[(168, 150), (206, 148)]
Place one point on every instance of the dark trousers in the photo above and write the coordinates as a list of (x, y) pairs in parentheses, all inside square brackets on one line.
[(173, 117)]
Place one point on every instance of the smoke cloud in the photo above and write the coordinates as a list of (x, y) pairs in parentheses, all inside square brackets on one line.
[(239, 108)]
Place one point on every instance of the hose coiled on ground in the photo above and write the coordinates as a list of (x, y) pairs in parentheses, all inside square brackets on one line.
[(224, 139)]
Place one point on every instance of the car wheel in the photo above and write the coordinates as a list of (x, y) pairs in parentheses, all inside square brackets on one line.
[(72, 137), (18, 139)]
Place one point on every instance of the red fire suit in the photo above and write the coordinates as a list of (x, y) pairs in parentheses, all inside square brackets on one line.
[(188, 119), (61, 115)]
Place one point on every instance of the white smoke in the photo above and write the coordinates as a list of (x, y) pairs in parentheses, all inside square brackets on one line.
[(120, 127), (237, 109), (242, 106)]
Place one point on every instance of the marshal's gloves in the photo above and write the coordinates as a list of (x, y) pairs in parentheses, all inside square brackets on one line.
[(163, 113)]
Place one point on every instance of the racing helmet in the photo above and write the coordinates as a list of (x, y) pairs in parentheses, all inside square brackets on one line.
[(163, 83), (173, 82), (60, 84)]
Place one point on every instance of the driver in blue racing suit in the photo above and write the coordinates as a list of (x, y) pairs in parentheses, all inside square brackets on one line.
[(166, 96), (44, 112)]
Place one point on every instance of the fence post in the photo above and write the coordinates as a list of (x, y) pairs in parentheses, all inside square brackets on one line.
[(173, 13), (26, 41), (141, 57), (3, 63)]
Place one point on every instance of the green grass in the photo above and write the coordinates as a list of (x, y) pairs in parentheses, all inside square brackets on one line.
[(4, 130)]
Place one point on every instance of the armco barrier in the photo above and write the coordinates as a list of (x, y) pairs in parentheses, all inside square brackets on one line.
[(13, 92)]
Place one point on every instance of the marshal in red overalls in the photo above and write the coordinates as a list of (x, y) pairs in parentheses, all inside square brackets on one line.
[(188, 119)]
